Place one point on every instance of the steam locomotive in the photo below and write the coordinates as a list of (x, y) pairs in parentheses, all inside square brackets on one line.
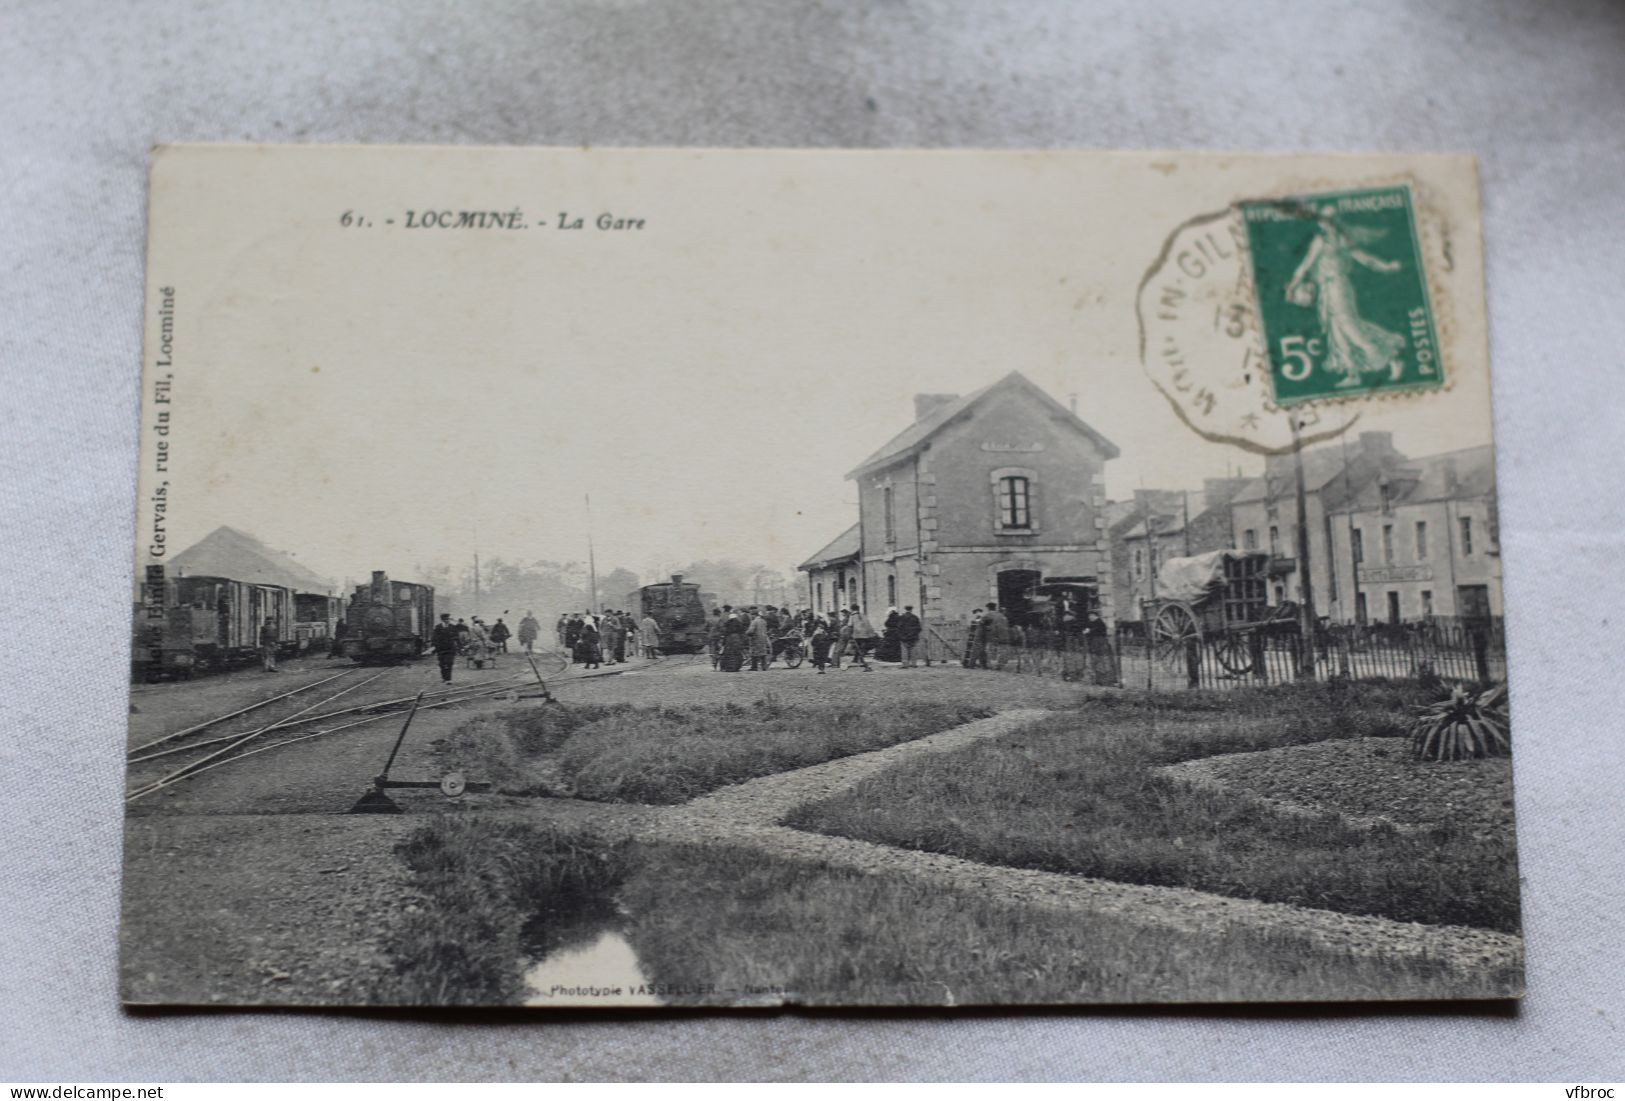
[(388, 621), (678, 609)]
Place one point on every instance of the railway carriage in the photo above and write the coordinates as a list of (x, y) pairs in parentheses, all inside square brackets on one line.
[(316, 618), (198, 624), (388, 621), (678, 609)]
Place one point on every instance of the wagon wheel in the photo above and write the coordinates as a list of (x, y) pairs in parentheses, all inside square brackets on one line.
[(1234, 653), (1173, 629)]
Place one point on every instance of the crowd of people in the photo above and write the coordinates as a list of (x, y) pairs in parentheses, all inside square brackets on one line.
[(762, 634), (604, 638), (754, 637)]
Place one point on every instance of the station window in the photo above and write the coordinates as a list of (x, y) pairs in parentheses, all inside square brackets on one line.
[(1466, 535), (1421, 540), (891, 590), (1249, 539), (888, 509), (1015, 502), (1358, 545), (1275, 541), (1388, 544)]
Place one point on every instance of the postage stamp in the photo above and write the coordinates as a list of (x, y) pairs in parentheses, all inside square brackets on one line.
[(1342, 296)]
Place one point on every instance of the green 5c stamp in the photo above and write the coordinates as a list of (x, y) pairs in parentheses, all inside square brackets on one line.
[(1342, 297)]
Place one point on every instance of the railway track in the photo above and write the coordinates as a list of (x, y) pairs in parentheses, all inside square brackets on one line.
[(185, 754)]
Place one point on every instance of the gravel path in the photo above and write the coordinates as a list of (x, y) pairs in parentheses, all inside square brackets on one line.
[(768, 799), (747, 815)]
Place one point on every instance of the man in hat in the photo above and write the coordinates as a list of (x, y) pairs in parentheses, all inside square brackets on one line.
[(864, 638), (529, 628), (268, 645), (649, 637), (908, 628), (996, 637), (444, 642)]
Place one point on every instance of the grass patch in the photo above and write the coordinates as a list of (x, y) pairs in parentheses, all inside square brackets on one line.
[(1078, 793), (625, 754), (837, 937), (481, 884), (746, 923)]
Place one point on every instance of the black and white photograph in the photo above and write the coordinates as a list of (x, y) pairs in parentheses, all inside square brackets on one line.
[(586, 578)]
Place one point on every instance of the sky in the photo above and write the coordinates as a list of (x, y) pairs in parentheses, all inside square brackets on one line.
[(375, 397)]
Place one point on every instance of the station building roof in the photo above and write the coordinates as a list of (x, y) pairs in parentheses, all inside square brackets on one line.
[(227, 552)]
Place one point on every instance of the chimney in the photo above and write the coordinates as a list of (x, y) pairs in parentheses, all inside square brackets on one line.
[(926, 404), (676, 579), (1377, 444)]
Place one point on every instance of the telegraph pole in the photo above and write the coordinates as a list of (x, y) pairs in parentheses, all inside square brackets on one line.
[(1306, 604), (1350, 613), (592, 563)]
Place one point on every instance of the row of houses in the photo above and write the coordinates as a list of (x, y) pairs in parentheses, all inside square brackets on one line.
[(985, 496)]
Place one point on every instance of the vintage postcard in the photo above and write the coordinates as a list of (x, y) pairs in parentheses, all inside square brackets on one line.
[(652, 578)]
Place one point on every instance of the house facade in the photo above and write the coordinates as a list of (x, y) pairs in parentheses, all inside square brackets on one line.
[(1423, 544), (982, 497), (1264, 515), (1392, 539)]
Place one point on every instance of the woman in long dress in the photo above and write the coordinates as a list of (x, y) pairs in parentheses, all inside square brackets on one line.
[(1354, 346), (588, 652), (732, 658)]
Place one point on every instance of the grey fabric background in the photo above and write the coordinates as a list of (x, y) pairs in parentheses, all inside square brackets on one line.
[(1536, 89)]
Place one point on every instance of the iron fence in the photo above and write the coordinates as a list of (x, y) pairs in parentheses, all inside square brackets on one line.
[(1463, 651)]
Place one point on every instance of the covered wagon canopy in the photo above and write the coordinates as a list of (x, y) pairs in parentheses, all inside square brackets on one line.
[(1192, 579)]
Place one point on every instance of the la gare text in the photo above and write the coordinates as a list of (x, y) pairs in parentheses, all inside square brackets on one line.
[(515, 219)]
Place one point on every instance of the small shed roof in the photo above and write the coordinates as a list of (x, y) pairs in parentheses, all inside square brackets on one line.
[(843, 548)]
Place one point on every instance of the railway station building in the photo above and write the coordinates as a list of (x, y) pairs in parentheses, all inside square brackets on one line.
[(982, 497)]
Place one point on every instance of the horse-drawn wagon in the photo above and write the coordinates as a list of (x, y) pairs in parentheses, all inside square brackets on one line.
[(1217, 604)]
